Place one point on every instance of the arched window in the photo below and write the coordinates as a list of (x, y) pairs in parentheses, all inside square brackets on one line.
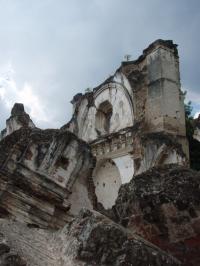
[(103, 116)]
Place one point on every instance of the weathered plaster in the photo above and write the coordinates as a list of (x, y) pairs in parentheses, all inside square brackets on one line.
[(79, 197), (122, 116), (12, 125), (84, 242), (125, 165), (107, 181), (133, 122), (44, 173), (18, 119), (117, 119), (165, 106)]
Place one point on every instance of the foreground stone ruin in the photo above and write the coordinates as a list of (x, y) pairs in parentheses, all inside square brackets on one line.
[(163, 206), (42, 174), (112, 186), (91, 239)]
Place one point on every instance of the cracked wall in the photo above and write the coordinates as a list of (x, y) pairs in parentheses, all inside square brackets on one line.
[(44, 176), (143, 97), (119, 130)]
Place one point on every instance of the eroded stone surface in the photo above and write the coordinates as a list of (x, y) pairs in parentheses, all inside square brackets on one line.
[(39, 170), (145, 89), (19, 118), (162, 205), (9, 257), (134, 120), (33, 246), (146, 150), (90, 239), (99, 241)]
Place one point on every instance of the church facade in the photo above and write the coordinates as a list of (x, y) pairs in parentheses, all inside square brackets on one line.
[(134, 120)]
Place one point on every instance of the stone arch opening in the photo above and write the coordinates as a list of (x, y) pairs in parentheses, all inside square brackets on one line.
[(107, 181), (103, 116)]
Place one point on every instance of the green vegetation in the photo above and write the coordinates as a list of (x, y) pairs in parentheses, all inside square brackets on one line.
[(189, 120), (194, 145)]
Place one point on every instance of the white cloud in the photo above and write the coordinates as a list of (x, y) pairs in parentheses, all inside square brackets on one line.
[(193, 96), (32, 101), (10, 93)]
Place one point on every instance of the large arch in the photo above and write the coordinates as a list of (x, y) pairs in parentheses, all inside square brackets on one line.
[(111, 111), (121, 104), (120, 86), (107, 181)]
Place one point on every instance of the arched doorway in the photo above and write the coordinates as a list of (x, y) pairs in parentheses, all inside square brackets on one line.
[(107, 182)]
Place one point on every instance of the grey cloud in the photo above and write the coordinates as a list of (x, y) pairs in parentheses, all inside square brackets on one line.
[(62, 47)]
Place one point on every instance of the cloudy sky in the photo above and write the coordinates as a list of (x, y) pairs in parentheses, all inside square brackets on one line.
[(52, 49)]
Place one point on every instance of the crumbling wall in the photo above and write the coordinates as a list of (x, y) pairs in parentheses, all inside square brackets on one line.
[(93, 239), (155, 81), (42, 174), (144, 92), (162, 205), (126, 167), (132, 122), (26, 246), (107, 181), (90, 239), (131, 152), (157, 149), (19, 118), (89, 114), (163, 107)]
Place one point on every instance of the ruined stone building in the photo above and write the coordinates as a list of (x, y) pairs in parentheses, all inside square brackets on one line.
[(113, 186), (134, 120)]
